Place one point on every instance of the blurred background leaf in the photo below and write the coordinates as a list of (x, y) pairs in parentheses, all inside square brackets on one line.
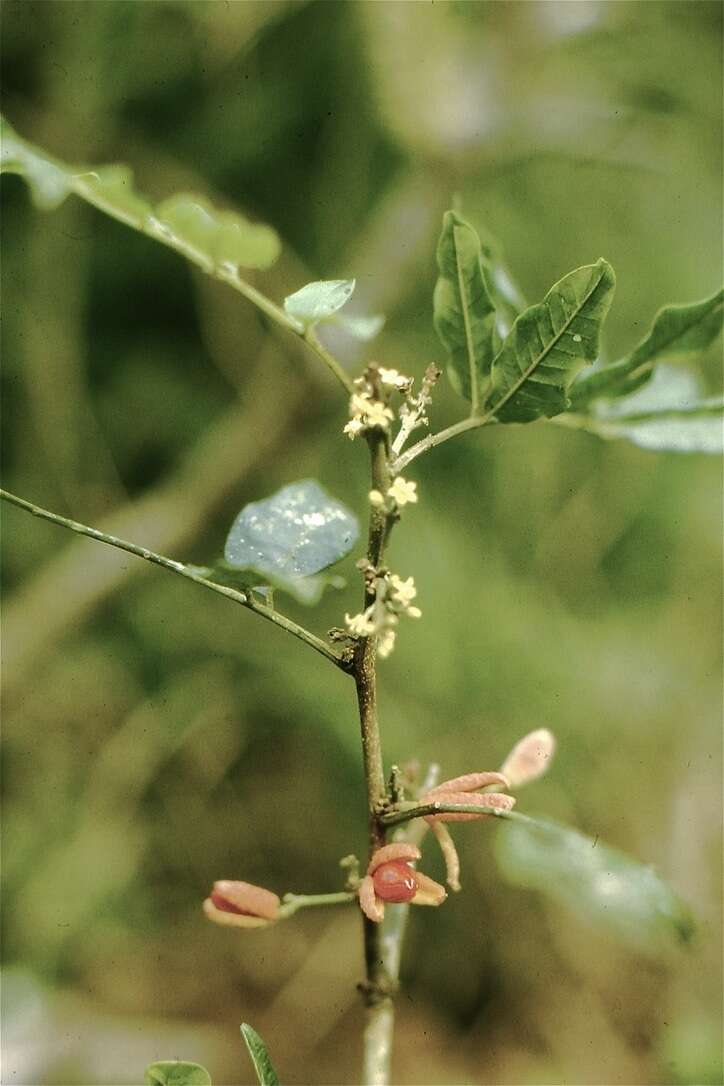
[(565, 582)]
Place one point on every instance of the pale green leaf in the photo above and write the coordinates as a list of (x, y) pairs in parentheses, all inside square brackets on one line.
[(259, 1057), (111, 188), (463, 311), (318, 301), (679, 332), (219, 241), (176, 1073), (548, 344), (222, 237), (49, 182), (285, 539), (669, 413), (364, 328), (601, 885)]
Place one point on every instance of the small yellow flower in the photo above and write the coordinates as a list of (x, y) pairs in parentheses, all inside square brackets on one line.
[(403, 592), (402, 491), (359, 625), (377, 415), (394, 379), (354, 427), (386, 642)]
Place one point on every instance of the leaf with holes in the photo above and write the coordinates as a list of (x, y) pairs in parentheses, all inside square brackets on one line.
[(285, 539), (463, 310), (548, 344), (679, 332)]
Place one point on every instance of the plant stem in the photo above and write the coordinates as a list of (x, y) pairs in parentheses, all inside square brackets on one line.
[(429, 442), (379, 985), (422, 810), (245, 599), (293, 902)]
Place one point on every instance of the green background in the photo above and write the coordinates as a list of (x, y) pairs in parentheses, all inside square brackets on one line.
[(156, 737)]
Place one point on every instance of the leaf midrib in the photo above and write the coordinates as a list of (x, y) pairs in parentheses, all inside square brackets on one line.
[(474, 393), (537, 361)]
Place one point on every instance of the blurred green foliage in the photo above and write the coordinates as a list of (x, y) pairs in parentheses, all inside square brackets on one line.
[(156, 739)]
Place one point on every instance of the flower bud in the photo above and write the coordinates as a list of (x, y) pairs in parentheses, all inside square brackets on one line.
[(529, 758), (241, 905)]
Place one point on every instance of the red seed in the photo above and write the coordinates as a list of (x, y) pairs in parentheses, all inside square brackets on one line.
[(395, 881), (226, 906)]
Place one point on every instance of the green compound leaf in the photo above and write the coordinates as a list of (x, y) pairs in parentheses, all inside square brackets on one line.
[(669, 413), (176, 1073), (601, 885), (259, 1057), (219, 241), (548, 344), (318, 301), (678, 333), (463, 311), (285, 539)]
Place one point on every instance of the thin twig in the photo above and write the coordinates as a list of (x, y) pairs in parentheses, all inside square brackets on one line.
[(422, 810), (245, 599), (293, 902)]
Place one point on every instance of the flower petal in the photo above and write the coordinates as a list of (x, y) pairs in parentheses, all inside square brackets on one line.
[(249, 898), (398, 850), (529, 758), (449, 852), (492, 800), (233, 920), (429, 892), (470, 782), (369, 903)]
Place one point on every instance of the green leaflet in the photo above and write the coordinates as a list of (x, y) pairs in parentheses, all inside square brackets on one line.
[(677, 333), (669, 413), (601, 885), (259, 1057), (463, 311), (282, 541), (548, 344), (318, 301), (176, 1073), (217, 240)]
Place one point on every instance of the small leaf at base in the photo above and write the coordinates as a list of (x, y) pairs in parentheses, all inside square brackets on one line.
[(176, 1073), (259, 1057)]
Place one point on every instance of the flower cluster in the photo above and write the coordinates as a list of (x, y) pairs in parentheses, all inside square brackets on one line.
[(393, 597), (370, 409), (392, 878)]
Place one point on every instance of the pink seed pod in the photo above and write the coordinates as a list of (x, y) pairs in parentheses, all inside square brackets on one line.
[(395, 881), (241, 904), (487, 802), (470, 782), (529, 758), (398, 850)]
